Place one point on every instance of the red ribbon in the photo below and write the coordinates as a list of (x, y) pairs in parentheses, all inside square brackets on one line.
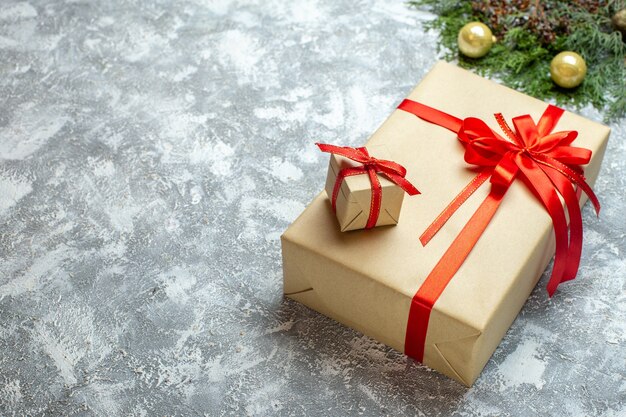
[(371, 166), (546, 163)]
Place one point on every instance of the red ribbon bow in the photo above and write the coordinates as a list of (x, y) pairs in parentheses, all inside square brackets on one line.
[(371, 166), (548, 165)]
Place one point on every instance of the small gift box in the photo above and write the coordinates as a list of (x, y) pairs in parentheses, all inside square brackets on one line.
[(365, 187), (500, 197)]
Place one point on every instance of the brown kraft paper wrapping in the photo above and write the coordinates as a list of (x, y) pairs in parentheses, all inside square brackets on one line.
[(355, 195), (366, 279)]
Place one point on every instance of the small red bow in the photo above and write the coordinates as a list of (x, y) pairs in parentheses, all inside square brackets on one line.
[(371, 166)]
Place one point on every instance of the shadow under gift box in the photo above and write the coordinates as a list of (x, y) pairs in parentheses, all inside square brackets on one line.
[(366, 279)]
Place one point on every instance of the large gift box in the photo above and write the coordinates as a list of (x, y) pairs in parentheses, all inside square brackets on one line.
[(448, 296)]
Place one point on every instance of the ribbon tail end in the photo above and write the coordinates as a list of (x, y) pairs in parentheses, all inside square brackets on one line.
[(551, 288)]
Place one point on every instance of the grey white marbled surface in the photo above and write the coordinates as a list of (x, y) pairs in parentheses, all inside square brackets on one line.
[(152, 152)]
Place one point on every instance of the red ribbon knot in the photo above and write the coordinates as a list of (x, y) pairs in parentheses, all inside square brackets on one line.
[(371, 166)]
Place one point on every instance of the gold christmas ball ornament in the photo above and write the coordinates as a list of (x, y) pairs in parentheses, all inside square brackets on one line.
[(568, 69), (475, 40), (619, 22)]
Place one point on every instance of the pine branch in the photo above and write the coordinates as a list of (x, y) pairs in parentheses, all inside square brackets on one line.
[(530, 33)]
